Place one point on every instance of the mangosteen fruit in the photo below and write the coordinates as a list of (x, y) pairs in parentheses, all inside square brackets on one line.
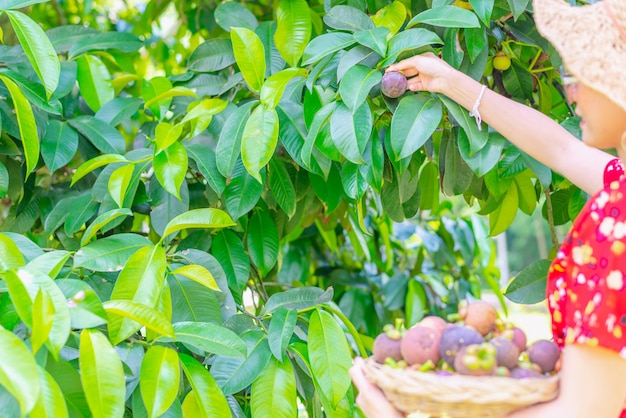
[(545, 354), (420, 344), (393, 84), (454, 338), (476, 360), (387, 344), (479, 315), (507, 353)]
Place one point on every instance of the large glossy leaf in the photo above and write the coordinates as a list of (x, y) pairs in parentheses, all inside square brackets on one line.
[(206, 161), (214, 54), (324, 45), (242, 193), (209, 337), (329, 355), (408, 40), (19, 374), (101, 221), (11, 256), (348, 18), (231, 14), (414, 121), (109, 253), (140, 313), (43, 314), (85, 308), (199, 218), (193, 302), (280, 331), (262, 242), (374, 39), (353, 180), (121, 41), (18, 292), (392, 16), (102, 375), (250, 56), (102, 135), (502, 217), (4, 180), (209, 398), (18, 4), (298, 298), (94, 81), (356, 84), (282, 187), (58, 145), (316, 132), (229, 143), (446, 16), (483, 9), (170, 167), (529, 286), (274, 87), (119, 110), (26, 123), (38, 49), (273, 393), (49, 263), (351, 131), (293, 29), (50, 403), (119, 183), (68, 379), (259, 140), (228, 249), (159, 379), (477, 137), (35, 93), (198, 274), (141, 280), (518, 7), (95, 163), (486, 158)]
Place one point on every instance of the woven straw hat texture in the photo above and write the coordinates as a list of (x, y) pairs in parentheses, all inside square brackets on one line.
[(591, 40)]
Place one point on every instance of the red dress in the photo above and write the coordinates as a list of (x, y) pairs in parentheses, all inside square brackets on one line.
[(586, 287)]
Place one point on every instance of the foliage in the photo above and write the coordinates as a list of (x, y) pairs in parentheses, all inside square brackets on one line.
[(209, 209)]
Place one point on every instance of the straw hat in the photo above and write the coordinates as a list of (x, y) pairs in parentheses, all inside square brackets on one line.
[(591, 41)]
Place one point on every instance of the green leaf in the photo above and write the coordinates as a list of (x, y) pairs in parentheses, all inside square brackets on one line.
[(273, 393), (43, 314), (228, 249), (413, 123), (35, 93), (165, 134), (102, 375), (109, 253), (280, 331), (259, 140), (229, 143), (293, 29), (209, 398), (58, 145), (274, 86), (138, 312), (38, 49), (486, 158), (167, 95), (102, 135), (325, 45), (198, 274), (119, 110), (477, 137), (242, 193), (101, 221), (529, 286), (348, 18), (141, 280), (282, 187), (19, 374), (518, 7), (201, 113), (94, 81), (262, 242), (502, 217), (4, 180), (208, 337), (49, 263), (353, 180), (330, 357), (26, 123), (68, 379), (19, 296), (50, 403), (85, 308), (374, 39), (121, 41), (392, 16), (119, 183), (483, 9), (159, 379), (446, 16), (193, 302), (11, 256), (95, 163), (231, 14), (217, 53), (518, 81), (356, 84), (350, 131), (407, 40), (18, 4), (199, 218), (170, 167), (250, 56), (207, 163), (301, 298), (416, 302)]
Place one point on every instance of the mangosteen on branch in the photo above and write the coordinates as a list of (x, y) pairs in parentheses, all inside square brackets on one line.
[(393, 84), (387, 344), (476, 360), (454, 338), (545, 354), (420, 344), (479, 315), (507, 353)]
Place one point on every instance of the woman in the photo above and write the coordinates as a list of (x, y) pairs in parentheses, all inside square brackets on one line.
[(586, 289)]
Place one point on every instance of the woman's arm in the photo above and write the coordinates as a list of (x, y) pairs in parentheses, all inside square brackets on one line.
[(592, 384), (530, 130)]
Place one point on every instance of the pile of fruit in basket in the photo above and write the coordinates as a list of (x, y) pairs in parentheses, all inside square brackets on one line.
[(477, 343)]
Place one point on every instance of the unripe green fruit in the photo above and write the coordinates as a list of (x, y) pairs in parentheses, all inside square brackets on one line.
[(501, 62)]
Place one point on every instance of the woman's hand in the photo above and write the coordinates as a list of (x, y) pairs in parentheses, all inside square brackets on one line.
[(425, 72), (371, 399)]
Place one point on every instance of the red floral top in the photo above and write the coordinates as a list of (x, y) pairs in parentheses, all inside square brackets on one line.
[(587, 279)]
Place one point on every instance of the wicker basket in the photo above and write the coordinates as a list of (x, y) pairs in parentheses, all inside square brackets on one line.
[(457, 396)]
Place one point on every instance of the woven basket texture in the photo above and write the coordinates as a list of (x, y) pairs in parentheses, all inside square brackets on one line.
[(456, 396)]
